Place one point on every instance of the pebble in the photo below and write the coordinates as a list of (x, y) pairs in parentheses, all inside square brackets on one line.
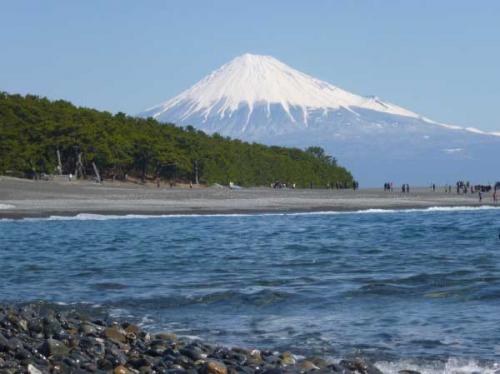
[(216, 367), (121, 370), (287, 359), (32, 369), (307, 365), (115, 334), (53, 347), (133, 329)]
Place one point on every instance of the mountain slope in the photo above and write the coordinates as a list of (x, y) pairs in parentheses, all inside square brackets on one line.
[(258, 98)]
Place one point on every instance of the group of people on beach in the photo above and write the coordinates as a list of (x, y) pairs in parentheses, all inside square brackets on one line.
[(465, 187), (462, 187), (405, 187)]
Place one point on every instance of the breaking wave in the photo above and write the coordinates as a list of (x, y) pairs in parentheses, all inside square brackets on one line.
[(450, 366), (103, 217)]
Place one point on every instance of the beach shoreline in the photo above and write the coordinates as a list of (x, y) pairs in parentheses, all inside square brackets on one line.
[(22, 198)]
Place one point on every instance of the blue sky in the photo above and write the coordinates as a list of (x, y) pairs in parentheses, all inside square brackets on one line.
[(438, 58)]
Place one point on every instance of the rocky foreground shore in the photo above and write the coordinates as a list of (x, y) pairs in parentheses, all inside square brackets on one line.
[(37, 338)]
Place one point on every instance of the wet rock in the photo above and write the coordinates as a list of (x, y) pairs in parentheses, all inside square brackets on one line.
[(87, 328), (183, 361), (145, 370), (22, 354), (274, 371), (287, 359), (14, 344), (319, 362), (89, 366), (105, 364), (116, 355), (307, 365), (22, 324), (53, 347), (4, 343), (115, 334), (140, 362), (338, 369), (93, 346), (360, 365), (51, 326), (120, 369), (238, 359), (194, 353), (255, 357), (272, 359), (32, 369), (130, 328), (216, 367), (176, 371), (35, 326), (242, 370)]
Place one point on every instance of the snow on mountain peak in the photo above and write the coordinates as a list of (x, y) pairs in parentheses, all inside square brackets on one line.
[(256, 94), (260, 99), (256, 79)]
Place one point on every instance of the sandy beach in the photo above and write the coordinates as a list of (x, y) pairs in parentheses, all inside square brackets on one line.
[(21, 198)]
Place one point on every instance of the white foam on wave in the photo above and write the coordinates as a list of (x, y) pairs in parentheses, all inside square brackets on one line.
[(453, 208), (105, 217), (451, 366), (411, 210), (7, 206), (71, 303)]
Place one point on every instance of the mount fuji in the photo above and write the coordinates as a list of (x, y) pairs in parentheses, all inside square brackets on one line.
[(258, 98)]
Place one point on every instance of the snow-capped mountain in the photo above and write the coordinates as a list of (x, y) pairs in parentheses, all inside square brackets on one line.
[(258, 98)]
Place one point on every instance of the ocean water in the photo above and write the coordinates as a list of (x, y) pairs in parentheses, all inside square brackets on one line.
[(410, 289)]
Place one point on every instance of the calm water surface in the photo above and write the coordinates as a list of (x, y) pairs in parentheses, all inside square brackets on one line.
[(414, 286)]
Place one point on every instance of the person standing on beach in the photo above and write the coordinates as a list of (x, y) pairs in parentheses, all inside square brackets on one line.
[(480, 194)]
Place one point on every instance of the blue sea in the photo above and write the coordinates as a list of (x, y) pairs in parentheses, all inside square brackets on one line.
[(410, 289)]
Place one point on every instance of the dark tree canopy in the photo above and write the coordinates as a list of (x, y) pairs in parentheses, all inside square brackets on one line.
[(32, 129)]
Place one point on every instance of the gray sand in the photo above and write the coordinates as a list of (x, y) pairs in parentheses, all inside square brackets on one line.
[(25, 198)]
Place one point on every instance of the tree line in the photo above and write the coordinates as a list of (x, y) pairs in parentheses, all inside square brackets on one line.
[(34, 130)]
